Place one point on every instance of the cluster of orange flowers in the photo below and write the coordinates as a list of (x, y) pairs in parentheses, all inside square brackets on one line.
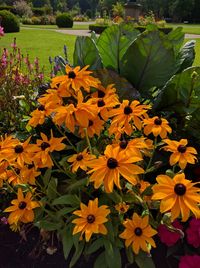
[(77, 102)]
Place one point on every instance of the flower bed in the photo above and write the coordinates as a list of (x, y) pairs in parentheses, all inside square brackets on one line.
[(105, 169)]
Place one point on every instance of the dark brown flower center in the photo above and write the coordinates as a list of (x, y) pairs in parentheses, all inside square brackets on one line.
[(138, 231), (17, 171), (90, 218), (22, 205), (158, 121), (44, 145), (123, 144), (19, 149), (181, 149), (91, 123), (101, 94), (79, 157), (41, 108), (112, 163), (100, 103), (128, 110), (30, 166), (138, 185), (180, 189), (71, 74)]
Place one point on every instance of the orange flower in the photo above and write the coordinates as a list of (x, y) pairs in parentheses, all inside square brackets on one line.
[(108, 168), (75, 78), (6, 144), (128, 114), (95, 127), (181, 153), (122, 207), (177, 195), (22, 208), (51, 99), (65, 114), (38, 116), (92, 219), (43, 148), (139, 233), (80, 160), (157, 126)]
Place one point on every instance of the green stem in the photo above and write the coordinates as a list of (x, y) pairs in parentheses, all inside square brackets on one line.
[(88, 140), (151, 159)]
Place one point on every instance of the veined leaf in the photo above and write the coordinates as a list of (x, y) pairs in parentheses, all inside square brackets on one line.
[(114, 42), (86, 53), (67, 199)]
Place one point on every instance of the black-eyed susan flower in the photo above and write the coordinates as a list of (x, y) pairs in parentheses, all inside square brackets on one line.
[(80, 160), (157, 126), (29, 174), (177, 195), (103, 92), (75, 78), (138, 233), (122, 207), (22, 208), (7, 143), (181, 153), (38, 116), (108, 168), (19, 153), (129, 114), (43, 148), (91, 219), (65, 115), (95, 127), (50, 100)]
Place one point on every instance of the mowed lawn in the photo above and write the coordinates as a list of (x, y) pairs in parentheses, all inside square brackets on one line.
[(45, 42), (41, 44)]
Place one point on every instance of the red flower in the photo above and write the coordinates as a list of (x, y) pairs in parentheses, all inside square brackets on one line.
[(168, 237), (193, 233), (189, 261)]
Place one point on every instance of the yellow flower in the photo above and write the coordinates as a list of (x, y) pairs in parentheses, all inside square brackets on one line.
[(65, 114), (108, 168), (177, 195), (75, 78), (139, 233), (43, 148), (181, 153), (50, 100), (80, 160), (22, 208), (92, 219), (128, 114), (38, 116), (95, 127), (29, 173), (157, 126), (122, 207), (142, 185), (19, 153), (6, 144), (103, 92)]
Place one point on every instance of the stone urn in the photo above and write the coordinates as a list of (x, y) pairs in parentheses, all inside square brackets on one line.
[(132, 9)]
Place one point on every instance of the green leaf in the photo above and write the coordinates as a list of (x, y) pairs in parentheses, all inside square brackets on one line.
[(86, 53), (176, 37), (186, 56), (77, 254), (124, 89), (149, 61), (52, 188), (68, 199), (113, 43), (47, 176), (67, 241), (113, 260), (143, 260), (47, 225), (181, 93), (100, 261), (94, 246)]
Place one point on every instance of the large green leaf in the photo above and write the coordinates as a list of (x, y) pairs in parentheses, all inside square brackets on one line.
[(124, 89), (114, 42), (149, 61), (144, 261), (86, 53), (186, 56), (176, 37), (181, 93)]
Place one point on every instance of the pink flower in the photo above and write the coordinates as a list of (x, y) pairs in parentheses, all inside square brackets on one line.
[(189, 261), (1, 31), (168, 237), (193, 233)]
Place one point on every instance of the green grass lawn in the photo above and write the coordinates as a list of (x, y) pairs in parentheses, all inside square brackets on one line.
[(75, 27), (41, 44), (187, 28)]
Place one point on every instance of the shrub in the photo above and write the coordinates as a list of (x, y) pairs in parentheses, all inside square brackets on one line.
[(36, 20), (9, 8), (98, 29), (38, 11), (64, 21), (23, 9), (27, 21), (9, 21)]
